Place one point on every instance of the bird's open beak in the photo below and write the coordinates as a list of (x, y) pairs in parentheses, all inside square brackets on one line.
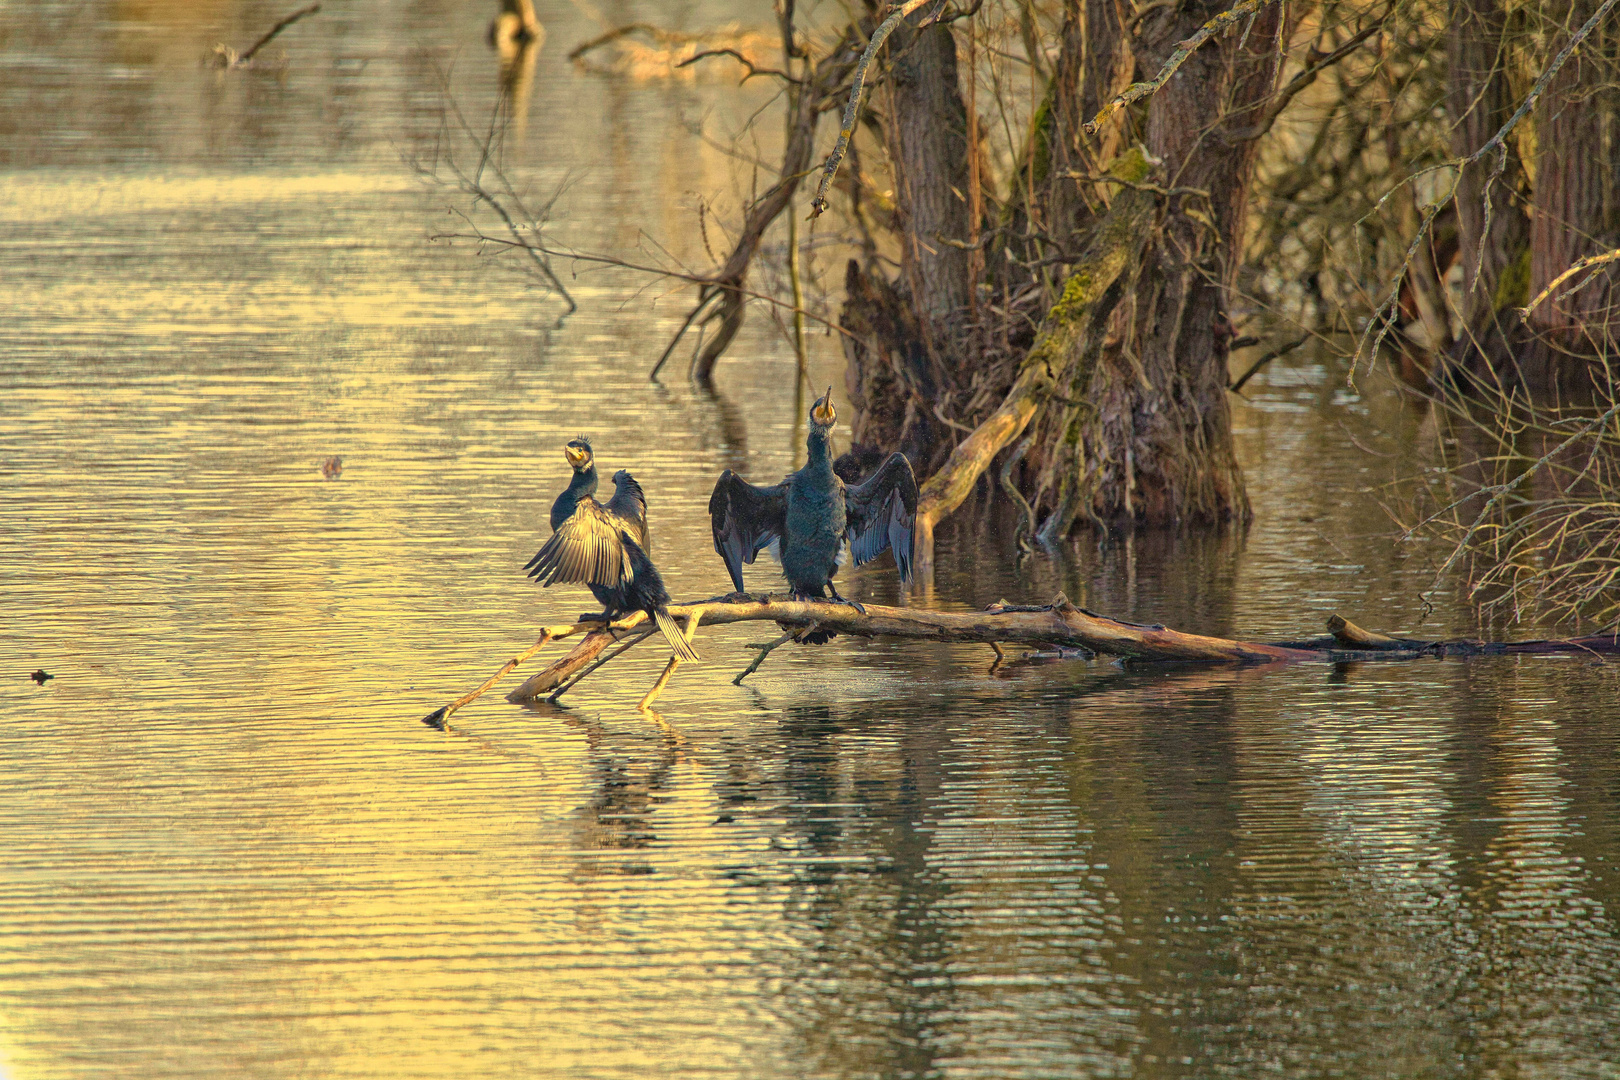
[(823, 413)]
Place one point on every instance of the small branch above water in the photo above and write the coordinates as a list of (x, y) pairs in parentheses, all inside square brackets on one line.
[(228, 58)]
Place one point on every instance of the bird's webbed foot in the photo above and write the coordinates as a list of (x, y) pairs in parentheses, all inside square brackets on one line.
[(840, 600)]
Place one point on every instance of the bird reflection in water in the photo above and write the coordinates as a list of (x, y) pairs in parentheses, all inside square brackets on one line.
[(866, 990)]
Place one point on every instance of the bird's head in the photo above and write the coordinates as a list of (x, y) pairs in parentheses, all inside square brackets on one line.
[(578, 453), (822, 413)]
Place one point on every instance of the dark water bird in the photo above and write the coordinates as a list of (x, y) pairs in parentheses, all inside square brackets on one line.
[(40, 675), (605, 547), (812, 512)]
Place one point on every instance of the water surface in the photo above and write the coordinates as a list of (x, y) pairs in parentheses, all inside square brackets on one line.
[(228, 847)]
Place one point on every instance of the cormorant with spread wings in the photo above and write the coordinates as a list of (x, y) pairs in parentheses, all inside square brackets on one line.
[(812, 512), (605, 546)]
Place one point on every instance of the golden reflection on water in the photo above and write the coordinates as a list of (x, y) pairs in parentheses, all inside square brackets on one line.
[(229, 847)]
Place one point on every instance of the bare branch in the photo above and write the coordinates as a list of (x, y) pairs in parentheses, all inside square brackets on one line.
[(1577, 267), (247, 57), (1183, 49), (852, 111), (1266, 359), (741, 59)]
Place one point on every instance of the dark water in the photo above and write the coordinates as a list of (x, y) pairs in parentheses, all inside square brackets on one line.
[(228, 848)]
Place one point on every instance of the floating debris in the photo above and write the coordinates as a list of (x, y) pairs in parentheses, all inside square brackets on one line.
[(332, 467)]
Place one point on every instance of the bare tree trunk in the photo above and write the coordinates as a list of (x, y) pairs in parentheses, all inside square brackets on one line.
[(1159, 448), (1575, 206), (925, 128), (908, 352), (1479, 98)]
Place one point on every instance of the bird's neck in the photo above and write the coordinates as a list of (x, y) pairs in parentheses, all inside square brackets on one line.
[(820, 451), (580, 488), (583, 483)]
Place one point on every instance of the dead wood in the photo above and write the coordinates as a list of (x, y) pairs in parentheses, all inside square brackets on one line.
[(1353, 636), (1058, 625), (807, 98)]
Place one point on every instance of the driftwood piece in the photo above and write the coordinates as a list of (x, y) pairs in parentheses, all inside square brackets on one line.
[(228, 58), (1060, 624)]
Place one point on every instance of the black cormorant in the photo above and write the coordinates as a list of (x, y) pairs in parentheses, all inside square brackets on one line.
[(605, 546), (811, 513)]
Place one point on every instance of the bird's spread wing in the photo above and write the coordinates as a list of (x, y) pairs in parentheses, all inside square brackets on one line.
[(630, 505), (587, 548), (746, 519), (880, 512)]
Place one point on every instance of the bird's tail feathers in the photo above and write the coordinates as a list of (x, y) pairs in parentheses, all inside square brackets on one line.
[(672, 634)]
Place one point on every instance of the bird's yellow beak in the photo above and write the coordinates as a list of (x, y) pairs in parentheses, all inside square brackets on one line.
[(823, 413), (575, 455)]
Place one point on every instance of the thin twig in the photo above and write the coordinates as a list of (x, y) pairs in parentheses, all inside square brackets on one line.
[(242, 61), (438, 716), (618, 32), (852, 111), (1499, 490), (1313, 67), (474, 186), (1183, 49), (741, 59), (764, 651), (692, 621), (796, 284), (1266, 359), (704, 297), (1575, 268)]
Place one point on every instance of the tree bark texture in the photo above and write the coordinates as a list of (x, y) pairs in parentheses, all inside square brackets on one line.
[(1575, 206), (925, 131), (1479, 99), (1158, 449), (1138, 430), (905, 349)]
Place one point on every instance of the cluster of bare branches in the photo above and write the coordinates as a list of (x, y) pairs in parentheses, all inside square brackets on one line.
[(1524, 500), (469, 160), (1410, 170)]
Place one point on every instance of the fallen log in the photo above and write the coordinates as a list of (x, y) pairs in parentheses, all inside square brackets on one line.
[(1061, 625)]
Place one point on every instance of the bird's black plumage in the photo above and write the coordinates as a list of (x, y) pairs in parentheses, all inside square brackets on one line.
[(605, 547), (812, 512)]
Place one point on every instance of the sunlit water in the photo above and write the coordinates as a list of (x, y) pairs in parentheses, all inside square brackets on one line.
[(229, 848)]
